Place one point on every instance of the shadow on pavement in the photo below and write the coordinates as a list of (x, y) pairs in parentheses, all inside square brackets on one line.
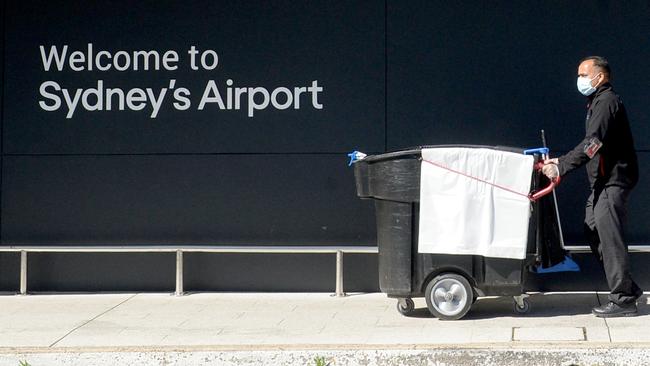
[(541, 305)]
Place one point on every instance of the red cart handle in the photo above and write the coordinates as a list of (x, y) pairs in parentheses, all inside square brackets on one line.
[(543, 192)]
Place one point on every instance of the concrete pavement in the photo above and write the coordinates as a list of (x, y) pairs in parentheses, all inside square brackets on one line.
[(296, 328)]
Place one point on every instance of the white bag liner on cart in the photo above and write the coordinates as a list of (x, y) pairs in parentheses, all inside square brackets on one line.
[(462, 215)]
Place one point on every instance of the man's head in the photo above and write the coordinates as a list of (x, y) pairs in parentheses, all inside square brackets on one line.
[(593, 72)]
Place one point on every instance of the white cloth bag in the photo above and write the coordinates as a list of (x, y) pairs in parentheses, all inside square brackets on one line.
[(461, 215)]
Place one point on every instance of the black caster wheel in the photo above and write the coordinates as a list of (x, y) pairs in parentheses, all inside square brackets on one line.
[(522, 307), (405, 306)]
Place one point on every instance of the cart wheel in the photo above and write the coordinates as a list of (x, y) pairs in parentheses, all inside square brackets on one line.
[(405, 306), (449, 296), (522, 308)]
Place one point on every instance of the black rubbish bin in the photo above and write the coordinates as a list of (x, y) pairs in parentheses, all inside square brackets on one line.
[(392, 180)]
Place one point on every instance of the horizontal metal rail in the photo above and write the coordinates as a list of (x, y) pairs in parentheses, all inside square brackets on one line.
[(191, 248), (179, 250), (587, 249)]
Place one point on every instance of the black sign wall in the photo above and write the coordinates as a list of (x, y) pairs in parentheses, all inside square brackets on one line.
[(228, 122)]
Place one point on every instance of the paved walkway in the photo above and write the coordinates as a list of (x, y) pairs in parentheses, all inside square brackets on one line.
[(247, 328)]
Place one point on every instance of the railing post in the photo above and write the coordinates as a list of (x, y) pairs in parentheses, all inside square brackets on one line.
[(179, 272), (339, 274), (23, 272)]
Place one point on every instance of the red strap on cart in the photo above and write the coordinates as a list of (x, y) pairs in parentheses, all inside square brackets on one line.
[(479, 179)]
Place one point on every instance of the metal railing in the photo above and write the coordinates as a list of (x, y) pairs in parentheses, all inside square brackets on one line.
[(586, 249), (179, 250)]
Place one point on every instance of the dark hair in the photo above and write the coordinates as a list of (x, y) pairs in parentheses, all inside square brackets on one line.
[(601, 63)]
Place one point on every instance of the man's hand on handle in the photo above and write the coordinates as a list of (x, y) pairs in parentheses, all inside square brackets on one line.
[(550, 168)]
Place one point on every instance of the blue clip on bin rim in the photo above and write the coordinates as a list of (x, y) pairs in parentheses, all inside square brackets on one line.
[(539, 150), (353, 157)]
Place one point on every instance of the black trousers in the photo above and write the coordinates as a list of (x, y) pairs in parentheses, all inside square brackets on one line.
[(605, 216)]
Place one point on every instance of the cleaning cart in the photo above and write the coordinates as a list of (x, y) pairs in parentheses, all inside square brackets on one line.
[(458, 222)]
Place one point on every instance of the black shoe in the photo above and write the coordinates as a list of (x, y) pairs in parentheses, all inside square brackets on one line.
[(611, 310)]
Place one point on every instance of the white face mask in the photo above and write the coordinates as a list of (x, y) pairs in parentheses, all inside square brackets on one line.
[(584, 85)]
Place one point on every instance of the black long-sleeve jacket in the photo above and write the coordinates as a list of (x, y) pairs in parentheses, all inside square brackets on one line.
[(608, 147)]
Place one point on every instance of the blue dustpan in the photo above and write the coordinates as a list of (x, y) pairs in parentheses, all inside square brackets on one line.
[(567, 265)]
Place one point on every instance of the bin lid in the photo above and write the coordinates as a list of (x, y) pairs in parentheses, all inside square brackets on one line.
[(415, 152)]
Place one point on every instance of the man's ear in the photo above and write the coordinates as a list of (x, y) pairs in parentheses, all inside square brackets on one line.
[(601, 79)]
